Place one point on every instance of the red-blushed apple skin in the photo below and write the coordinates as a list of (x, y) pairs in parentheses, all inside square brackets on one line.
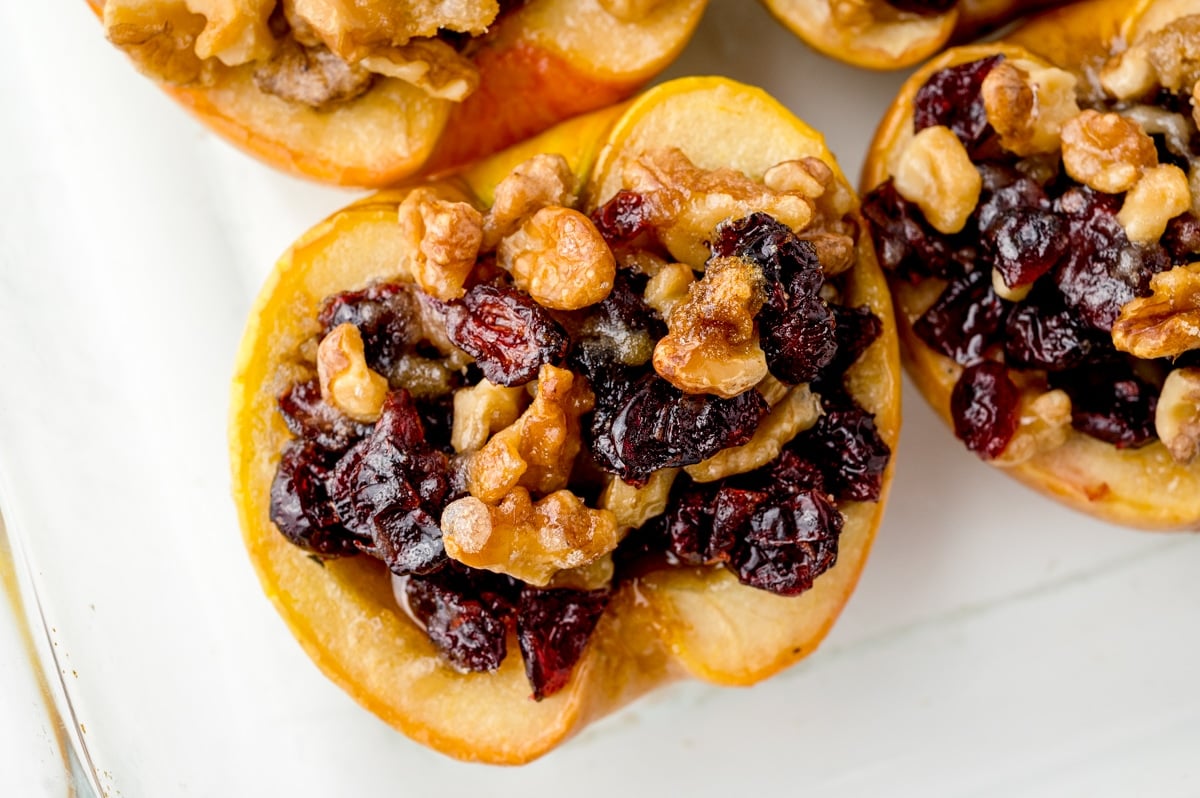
[(666, 624), (526, 86), (1142, 488)]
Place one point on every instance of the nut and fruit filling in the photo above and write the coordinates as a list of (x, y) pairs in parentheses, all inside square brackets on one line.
[(1043, 232), (319, 53), (539, 404)]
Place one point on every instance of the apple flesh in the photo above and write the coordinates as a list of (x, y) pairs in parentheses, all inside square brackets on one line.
[(1142, 487), (676, 623), (544, 62)]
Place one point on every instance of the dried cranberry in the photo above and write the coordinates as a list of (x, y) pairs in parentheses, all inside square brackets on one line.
[(789, 264), (1182, 239), (623, 218), (437, 419), (951, 97), (847, 447), (1102, 270), (1045, 335), (800, 341), (658, 426), (553, 629), (510, 336), (855, 330), (923, 7), (309, 417), (790, 544), (984, 407), (1111, 403), (385, 314), (790, 473), (469, 630), (687, 525), (1006, 189), (300, 505), (1025, 243), (391, 487), (906, 244), (966, 319)]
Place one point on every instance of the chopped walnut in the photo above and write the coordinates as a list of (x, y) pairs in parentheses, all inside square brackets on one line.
[(538, 450), (1028, 105), (935, 172), (634, 506), (356, 29), (528, 540), (630, 10), (686, 203), (1174, 52), (668, 287), (1106, 152), (773, 390), (159, 38), (428, 64), (443, 242), (711, 345), (1177, 417), (796, 412), (1045, 424), (236, 31), (1159, 196), (1130, 75), (560, 259), (483, 409), (835, 251), (1166, 323), (347, 383), (809, 177), (313, 76), (595, 575), (545, 179), (1002, 289)]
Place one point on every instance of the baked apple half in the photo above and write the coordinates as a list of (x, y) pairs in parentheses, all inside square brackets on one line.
[(1035, 203), (368, 92), (891, 34), (609, 409)]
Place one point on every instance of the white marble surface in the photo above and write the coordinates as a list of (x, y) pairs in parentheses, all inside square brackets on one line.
[(998, 645)]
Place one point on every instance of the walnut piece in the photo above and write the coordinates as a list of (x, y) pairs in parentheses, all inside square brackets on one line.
[(634, 506), (545, 179), (443, 242), (1166, 323), (559, 258), (711, 345), (356, 29), (528, 540), (538, 450), (1028, 105), (1045, 424), (1160, 195), (347, 383), (313, 76), (1174, 52), (1107, 152), (797, 411), (483, 409), (669, 287), (159, 38), (686, 203), (428, 64), (595, 575), (936, 173), (1177, 417)]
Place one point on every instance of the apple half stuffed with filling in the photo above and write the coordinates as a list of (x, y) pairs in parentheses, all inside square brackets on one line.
[(892, 34), (610, 409), (1035, 202), (368, 92)]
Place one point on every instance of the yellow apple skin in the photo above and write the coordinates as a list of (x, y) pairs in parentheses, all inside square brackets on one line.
[(893, 40), (1143, 488), (536, 69), (669, 623)]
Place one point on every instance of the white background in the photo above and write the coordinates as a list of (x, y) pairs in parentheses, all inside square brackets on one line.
[(998, 644)]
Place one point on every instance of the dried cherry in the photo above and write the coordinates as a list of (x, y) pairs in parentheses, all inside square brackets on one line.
[(623, 218), (966, 320), (1041, 334), (983, 405), (846, 445), (509, 334), (1111, 403), (952, 97), (553, 629), (1025, 243), (300, 505), (468, 623)]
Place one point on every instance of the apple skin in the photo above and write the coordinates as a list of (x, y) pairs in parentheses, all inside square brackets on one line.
[(671, 623), (1143, 488), (900, 40), (535, 71)]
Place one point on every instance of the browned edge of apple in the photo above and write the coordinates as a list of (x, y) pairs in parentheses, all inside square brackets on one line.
[(1143, 488), (525, 87)]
